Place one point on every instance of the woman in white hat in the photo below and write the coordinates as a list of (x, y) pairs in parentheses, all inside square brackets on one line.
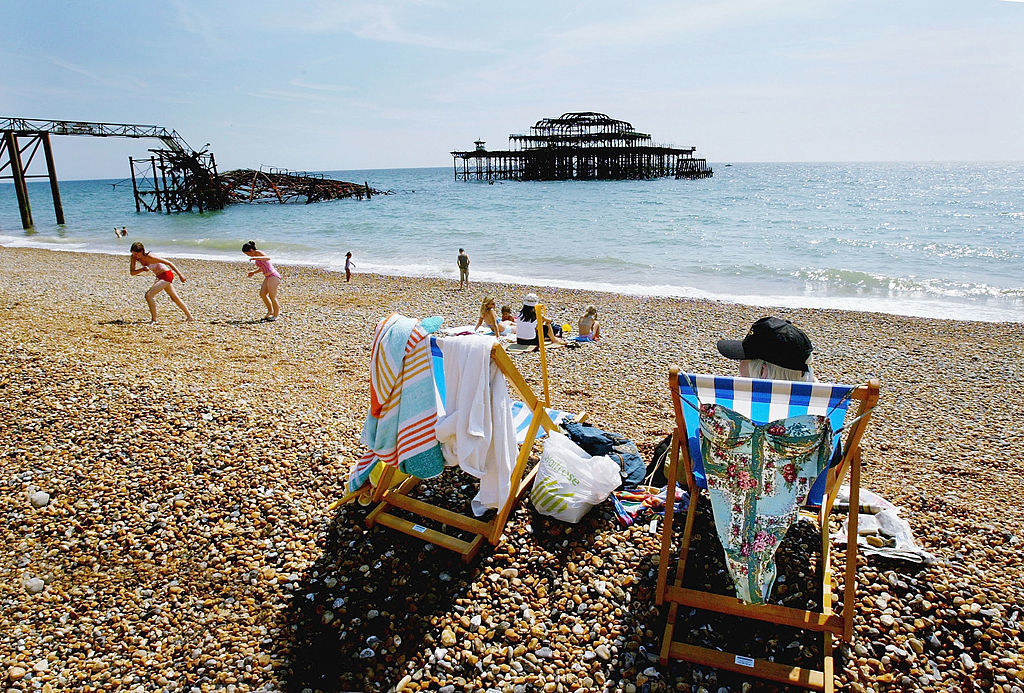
[(526, 324)]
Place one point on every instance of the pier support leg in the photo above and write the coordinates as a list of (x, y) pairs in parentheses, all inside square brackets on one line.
[(58, 208), (135, 185), (18, 173)]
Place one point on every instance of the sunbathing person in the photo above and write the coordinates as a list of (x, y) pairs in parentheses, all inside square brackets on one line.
[(526, 324), (774, 349), (589, 326), (489, 316)]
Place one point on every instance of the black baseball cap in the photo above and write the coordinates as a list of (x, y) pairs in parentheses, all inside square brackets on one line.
[(773, 340)]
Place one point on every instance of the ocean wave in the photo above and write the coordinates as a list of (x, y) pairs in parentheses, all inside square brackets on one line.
[(861, 282), (922, 298)]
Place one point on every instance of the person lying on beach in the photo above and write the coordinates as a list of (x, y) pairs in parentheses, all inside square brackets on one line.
[(271, 279), (164, 270), (526, 324), (774, 349), (590, 326), (489, 317)]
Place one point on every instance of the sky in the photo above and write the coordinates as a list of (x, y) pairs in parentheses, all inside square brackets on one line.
[(328, 85)]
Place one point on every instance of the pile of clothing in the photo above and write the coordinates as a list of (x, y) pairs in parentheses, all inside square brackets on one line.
[(880, 529), (604, 443), (636, 499)]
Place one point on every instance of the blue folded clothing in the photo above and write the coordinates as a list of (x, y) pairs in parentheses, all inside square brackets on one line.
[(619, 448)]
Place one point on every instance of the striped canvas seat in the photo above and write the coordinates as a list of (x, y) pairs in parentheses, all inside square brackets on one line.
[(761, 401), (765, 441)]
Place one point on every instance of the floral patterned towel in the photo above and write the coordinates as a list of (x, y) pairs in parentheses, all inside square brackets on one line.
[(758, 476)]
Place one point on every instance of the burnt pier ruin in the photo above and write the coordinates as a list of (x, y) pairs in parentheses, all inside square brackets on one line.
[(174, 178), (579, 146)]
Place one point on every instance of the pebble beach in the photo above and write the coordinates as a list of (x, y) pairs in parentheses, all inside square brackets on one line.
[(164, 494)]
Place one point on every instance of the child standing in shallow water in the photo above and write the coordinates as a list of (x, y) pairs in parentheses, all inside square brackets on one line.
[(348, 266), (164, 270), (271, 279)]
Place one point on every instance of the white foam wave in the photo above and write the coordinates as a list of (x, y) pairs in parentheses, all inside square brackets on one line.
[(947, 303)]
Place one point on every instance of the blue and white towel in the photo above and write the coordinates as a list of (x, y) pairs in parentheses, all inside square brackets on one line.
[(761, 401)]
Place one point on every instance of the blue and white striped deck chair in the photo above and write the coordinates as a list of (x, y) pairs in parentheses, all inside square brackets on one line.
[(532, 420), (764, 401)]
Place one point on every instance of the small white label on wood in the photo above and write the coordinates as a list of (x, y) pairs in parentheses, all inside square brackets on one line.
[(419, 528), (745, 661)]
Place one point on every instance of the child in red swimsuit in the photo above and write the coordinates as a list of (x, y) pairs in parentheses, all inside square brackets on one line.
[(164, 270)]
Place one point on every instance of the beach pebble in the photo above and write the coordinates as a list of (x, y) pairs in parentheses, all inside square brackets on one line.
[(34, 585), (40, 499), (182, 504)]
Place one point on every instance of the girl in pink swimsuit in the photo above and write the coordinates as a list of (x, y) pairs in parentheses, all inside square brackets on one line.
[(271, 279), (164, 270)]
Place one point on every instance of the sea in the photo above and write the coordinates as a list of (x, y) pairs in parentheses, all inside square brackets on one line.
[(926, 239)]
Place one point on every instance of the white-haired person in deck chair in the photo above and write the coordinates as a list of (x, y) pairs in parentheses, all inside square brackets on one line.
[(774, 349)]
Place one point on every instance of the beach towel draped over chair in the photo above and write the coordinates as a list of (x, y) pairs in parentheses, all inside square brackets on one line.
[(759, 445), (399, 428), (468, 427), (761, 448)]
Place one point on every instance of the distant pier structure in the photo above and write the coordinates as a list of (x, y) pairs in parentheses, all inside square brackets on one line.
[(174, 178), (579, 146)]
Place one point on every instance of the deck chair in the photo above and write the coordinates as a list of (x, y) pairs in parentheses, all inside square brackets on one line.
[(764, 403), (532, 420)]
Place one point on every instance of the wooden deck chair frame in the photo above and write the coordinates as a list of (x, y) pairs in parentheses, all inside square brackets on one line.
[(825, 621), (388, 496)]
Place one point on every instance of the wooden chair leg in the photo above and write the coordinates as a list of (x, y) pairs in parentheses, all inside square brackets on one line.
[(670, 627), (666, 526), (850, 588)]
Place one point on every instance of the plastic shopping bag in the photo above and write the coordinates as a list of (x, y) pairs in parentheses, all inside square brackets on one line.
[(569, 481)]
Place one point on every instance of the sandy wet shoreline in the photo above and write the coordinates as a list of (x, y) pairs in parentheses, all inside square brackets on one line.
[(189, 468)]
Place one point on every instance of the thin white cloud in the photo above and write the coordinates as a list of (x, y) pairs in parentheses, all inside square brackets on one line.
[(332, 88), (371, 21), (293, 95), (669, 22), (195, 22), (127, 82)]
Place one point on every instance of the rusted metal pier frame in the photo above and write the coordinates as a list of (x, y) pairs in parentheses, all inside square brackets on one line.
[(579, 146), (272, 184), (19, 136), (177, 181), (14, 145), (605, 163)]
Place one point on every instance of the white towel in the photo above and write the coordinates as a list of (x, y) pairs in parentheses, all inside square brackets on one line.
[(477, 431)]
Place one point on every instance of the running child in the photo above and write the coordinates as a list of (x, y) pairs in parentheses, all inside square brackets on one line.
[(271, 279), (164, 270)]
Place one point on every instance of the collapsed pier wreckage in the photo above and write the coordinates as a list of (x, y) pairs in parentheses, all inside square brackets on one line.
[(174, 178), (171, 181), (579, 146)]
